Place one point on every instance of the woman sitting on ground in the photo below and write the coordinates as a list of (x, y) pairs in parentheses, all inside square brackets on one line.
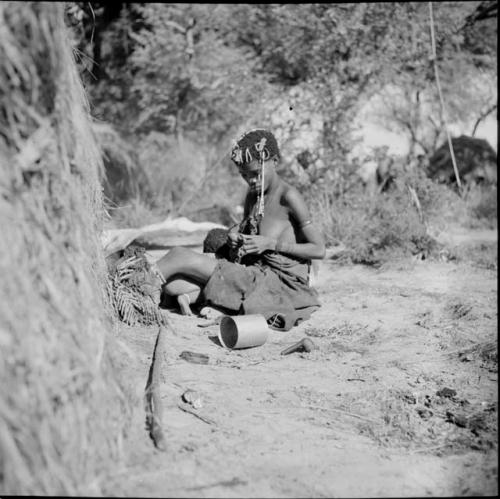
[(265, 265)]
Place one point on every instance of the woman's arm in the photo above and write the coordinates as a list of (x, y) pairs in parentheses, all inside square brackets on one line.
[(313, 245)]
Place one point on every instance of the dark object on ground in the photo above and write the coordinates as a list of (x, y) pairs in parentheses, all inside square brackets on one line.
[(424, 412), (448, 393), (476, 161), (304, 345), (285, 322), (457, 419), (152, 398), (477, 423), (193, 357)]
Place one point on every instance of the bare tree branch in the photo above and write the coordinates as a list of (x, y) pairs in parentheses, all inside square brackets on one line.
[(482, 116)]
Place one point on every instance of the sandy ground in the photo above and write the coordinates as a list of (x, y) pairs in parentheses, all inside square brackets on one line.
[(363, 415)]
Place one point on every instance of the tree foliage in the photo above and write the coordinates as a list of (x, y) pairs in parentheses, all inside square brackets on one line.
[(206, 71), (198, 76)]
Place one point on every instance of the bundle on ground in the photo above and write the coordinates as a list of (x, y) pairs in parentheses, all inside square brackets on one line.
[(134, 287), (62, 411)]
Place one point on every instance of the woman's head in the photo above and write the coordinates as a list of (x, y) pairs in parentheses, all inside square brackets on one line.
[(257, 144), (254, 153), (252, 174)]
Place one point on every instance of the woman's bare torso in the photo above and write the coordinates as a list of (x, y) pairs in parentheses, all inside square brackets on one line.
[(277, 221)]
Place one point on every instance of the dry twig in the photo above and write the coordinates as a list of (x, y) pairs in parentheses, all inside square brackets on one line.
[(152, 398), (345, 413), (186, 408)]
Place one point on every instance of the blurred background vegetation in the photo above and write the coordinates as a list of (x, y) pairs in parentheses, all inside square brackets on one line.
[(171, 85)]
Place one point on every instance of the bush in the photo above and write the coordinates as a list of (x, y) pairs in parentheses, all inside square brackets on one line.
[(173, 170), (482, 255), (378, 227), (171, 177), (481, 202), (475, 207), (133, 214), (373, 229)]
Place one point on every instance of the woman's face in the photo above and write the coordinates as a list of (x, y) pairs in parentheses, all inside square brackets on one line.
[(251, 174)]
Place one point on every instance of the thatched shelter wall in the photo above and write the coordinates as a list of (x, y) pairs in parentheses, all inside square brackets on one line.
[(62, 411)]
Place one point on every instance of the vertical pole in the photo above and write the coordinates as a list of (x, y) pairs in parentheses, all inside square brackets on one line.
[(443, 111)]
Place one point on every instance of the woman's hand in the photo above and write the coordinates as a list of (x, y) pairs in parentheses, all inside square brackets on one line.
[(257, 244), (234, 239)]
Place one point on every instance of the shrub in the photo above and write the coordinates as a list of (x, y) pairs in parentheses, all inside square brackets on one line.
[(373, 228), (388, 224), (475, 206), (133, 214), (481, 202)]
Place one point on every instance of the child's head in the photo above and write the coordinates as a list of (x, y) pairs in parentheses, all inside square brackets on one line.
[(216, 242)]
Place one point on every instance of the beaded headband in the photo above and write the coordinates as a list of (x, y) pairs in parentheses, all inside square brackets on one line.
[(256, 144)]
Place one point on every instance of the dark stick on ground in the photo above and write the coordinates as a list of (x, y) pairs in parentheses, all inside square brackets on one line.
[(304, 345), (152, 398)]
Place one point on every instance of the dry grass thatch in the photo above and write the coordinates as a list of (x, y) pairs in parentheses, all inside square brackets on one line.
[(62, 411)]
